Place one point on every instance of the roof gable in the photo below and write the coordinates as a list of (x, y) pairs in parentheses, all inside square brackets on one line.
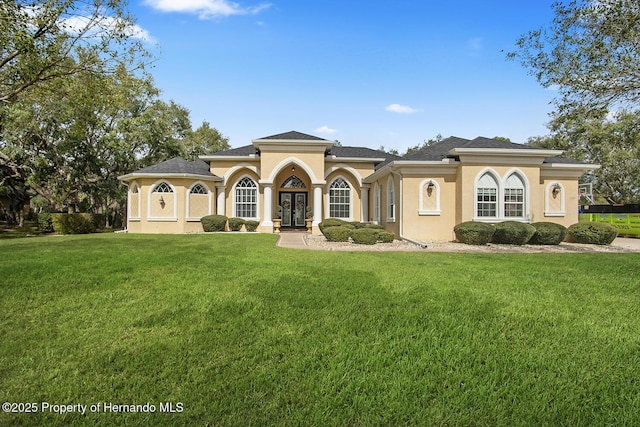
[(294, 136), (178, 165)]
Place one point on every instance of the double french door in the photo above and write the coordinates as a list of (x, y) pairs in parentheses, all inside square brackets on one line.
[(294, 207)]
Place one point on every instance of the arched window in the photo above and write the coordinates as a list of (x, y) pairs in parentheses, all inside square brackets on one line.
[(134, 201), (198, 189), (340, 199), (246, 198), (163, 187), (391, 200), (514, 197), (198, 202), (487, 196), (376, 202), (293, 182)]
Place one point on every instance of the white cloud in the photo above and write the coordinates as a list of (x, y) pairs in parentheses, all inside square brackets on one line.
[(205, 9), (401, 109), (326, 129), (92, 26)]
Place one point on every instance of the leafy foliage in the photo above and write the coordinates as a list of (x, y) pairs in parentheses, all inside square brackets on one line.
[(213, 223), (474, 233), (385, 236), (337, 233), (512, 233), (251, 225), (331, 222), (235, 224), (75, 223), (594, 233), (548, 233), (364, 236)]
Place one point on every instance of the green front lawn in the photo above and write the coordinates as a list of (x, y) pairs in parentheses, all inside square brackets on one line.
[(235, 331)]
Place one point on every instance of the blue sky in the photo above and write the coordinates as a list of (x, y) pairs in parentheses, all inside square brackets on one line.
[(367, 73)]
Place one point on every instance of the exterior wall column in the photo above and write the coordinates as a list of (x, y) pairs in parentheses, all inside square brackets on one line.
[(220, 201), (317, 204), (364, 198), (268, 206)]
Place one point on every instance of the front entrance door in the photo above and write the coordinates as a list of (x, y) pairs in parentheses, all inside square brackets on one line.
[(294, 206)]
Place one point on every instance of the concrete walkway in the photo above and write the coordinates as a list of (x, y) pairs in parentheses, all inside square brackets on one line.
[(293, 240)]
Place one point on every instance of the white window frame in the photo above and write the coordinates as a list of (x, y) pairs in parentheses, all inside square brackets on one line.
[(234, 201), (548, 194), (188, 207), (391, 199), (174, 193), (525, 191), (134, 185), (350, 188)]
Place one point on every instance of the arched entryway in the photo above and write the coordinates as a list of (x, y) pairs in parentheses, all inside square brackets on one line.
[(293, 196)]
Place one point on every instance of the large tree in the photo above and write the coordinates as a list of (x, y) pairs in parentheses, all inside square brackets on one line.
[(590, 52)]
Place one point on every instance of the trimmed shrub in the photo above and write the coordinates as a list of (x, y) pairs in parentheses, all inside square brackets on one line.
[(337, 234), (357, 224), (374, 226), (548, 233), (386, 237), (513, 233), (75, 223), (474, 233), (594, 233), (44, 222), (251, 225), (364, 236), (235, 224), (213, 223), (331, 222)]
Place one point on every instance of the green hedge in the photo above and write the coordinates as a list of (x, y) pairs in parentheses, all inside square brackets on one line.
[(337, 233), (251, 225), (513, 233), (386, 237), (331, 222), (364, 236), (45, 225), (594, 233), (474, 233), (75, 223), (358, 224), (235, 224), (374, 226), (548, 233), (213, 223)]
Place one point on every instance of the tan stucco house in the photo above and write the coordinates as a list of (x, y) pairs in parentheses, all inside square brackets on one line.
[(419, 197)]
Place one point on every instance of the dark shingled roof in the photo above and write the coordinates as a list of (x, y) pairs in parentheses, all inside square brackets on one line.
[(440, 150), (294, 136), (245, 150), (178, 165), (363, 153)]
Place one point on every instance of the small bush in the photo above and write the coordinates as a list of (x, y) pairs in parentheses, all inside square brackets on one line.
[(357, 224), (331, 222), (548, 233), (75, 223), (594, 233), (513, 233), (364, 236), (374, 226), (251, 225), (386, 237), (44, 222), (474, 233), (213, 223), (337, 234), (235, 224)]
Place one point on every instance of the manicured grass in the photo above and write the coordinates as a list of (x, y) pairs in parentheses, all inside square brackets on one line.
[(243, 333)]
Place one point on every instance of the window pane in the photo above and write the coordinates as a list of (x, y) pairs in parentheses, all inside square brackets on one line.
[(246, 199), (339, 199)]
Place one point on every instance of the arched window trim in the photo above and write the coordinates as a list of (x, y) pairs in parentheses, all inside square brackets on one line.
[(436, 189), (351, 190), (525, 197), (165, 195), (134, 188), (548, 196), (476, 186), (234, 196), (377, 196), (391, 199), (293, 182), (188, 201)]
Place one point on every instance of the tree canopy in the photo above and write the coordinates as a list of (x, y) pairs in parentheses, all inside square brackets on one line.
[(590, 53)]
